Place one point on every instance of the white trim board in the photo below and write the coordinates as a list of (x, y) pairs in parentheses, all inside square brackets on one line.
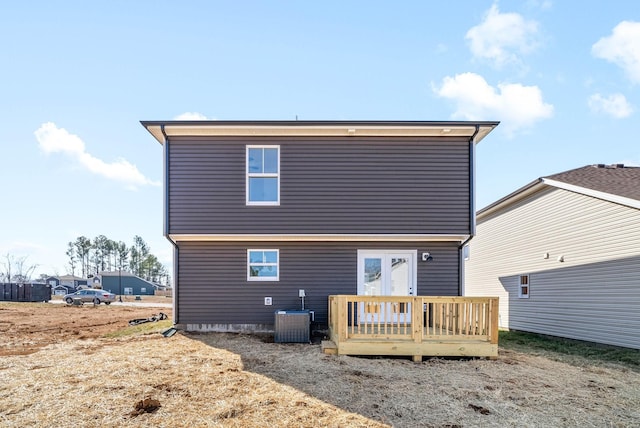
[(633, 203), (317, 238)]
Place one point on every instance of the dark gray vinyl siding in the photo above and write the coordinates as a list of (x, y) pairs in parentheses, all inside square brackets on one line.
[(213, 287), (348, 185)]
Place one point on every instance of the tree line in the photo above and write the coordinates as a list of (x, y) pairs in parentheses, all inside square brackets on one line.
[(89, 257)]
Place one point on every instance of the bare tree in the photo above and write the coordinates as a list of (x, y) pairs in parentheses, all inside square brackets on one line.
[(15, 269), (23, 270), (7, 264)]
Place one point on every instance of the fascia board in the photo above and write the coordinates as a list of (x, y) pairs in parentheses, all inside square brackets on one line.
[(317, 238), (616, 199)]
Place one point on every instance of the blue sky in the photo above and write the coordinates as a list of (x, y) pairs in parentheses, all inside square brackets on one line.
[(77, 77)]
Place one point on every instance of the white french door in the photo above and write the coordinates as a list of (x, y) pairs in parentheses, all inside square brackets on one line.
[(386, 273)]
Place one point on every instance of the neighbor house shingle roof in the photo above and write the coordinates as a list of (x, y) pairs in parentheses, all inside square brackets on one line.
[(616, 183), (613, 179)]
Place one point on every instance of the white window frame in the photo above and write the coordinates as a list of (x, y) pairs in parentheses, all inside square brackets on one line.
[(263, 278), (128, 291), (466, 252), (386, 256), (250, 175), (522, 295)]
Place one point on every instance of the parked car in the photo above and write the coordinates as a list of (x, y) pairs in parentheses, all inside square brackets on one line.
[(91, 295)]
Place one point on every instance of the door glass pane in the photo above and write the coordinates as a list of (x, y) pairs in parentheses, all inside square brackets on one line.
[(400, 276), (372, 276)]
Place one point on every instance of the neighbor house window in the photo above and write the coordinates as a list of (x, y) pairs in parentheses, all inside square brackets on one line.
[(524, 287), (466, 252), (263, 175), (143, 289), (128, 290), (262, 265)]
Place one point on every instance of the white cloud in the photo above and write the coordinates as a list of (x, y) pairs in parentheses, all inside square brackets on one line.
[(514, 105), (503, 37), (622, 48), (189, 115), (615, 105), (630, 162), (52, 139), (539, 4)]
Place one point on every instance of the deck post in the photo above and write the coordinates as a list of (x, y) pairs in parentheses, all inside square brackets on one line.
[(416, 321), (331, 316), (494, 310), (342, 318)]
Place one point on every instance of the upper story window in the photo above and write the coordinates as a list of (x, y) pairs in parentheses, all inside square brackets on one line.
[(263, 175), (523, 291)]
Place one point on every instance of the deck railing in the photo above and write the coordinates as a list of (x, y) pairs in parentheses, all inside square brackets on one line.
[(414, 319)]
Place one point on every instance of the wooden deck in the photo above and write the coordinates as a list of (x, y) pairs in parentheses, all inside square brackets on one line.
[(414, 326)]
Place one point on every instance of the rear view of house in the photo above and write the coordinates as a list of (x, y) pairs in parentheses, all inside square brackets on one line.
[(563, 255), (261, 213)]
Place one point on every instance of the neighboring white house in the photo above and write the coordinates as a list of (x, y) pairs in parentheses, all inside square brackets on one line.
[(563, 255)]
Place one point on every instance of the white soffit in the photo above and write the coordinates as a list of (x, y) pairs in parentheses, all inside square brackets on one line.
[(343, 130)]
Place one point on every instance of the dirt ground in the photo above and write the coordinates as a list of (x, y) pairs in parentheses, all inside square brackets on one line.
[(27, 327), (49, 379)]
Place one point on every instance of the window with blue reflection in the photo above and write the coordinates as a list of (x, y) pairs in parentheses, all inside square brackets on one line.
[(263, 189), (263, 175), (270, 160), (255, 160), (262, 265)]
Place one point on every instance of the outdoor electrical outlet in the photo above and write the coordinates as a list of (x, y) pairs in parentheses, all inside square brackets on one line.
[(268, 301), (301, 293)]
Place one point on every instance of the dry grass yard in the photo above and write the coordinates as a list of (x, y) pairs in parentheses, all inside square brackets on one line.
[(64, 374)]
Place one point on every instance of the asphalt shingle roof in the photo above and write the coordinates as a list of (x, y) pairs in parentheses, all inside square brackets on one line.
[(613, 179)]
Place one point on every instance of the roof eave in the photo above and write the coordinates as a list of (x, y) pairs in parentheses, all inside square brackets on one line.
[(617, 199), (477, 130), (543, 182)]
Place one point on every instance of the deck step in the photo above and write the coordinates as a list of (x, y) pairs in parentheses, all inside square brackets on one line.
[(329, 347)]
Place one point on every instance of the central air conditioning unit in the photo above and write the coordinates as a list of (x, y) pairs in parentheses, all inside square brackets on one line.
[(293, 326)]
